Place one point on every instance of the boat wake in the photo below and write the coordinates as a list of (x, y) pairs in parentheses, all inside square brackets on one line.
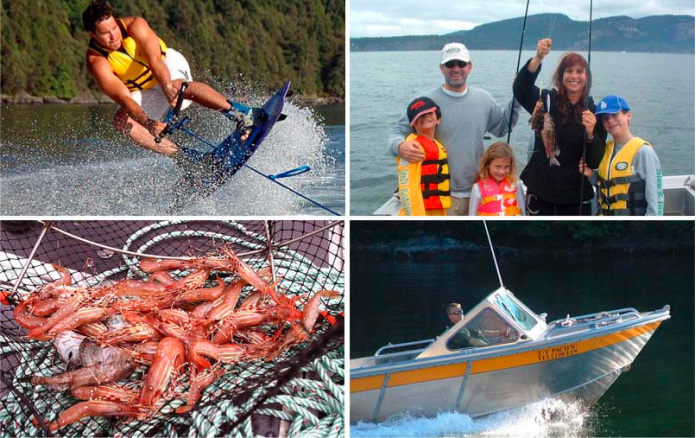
[(115, 178), (548, 418)]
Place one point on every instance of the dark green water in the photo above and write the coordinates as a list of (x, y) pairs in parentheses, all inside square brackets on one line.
[(405, 301)]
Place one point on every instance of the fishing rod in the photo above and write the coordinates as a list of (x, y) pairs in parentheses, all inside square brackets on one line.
[(519, 58), (495, 261), (586, 107)]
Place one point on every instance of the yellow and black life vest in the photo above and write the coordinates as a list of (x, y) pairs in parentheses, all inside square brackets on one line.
[(424, 186), (129, 62), (621, 192)]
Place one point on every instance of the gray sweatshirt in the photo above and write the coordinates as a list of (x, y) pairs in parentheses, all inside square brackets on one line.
[(465, 120)]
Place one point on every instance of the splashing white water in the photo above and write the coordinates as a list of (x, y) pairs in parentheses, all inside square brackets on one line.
[(142, 183), (548, 418)]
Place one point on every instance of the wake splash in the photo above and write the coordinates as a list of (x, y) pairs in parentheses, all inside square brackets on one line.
[(548, 418), (66, 176)]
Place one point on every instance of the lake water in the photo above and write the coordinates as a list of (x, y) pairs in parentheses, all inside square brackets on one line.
[(61, 160), (659, 87), (399, 293)]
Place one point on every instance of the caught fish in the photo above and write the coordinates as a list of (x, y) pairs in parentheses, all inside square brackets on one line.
[(543, 125), (67, 344)]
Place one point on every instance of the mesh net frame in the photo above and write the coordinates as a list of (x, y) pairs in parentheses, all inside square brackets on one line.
[(252, 398)]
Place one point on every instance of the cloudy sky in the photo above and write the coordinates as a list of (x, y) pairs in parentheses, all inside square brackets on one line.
[(371, 18)]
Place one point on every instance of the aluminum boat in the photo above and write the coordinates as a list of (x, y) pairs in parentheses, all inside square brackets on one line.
[(500, 356)]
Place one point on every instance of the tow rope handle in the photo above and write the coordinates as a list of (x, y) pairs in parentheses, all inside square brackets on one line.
[(172, 114), (292, 172)]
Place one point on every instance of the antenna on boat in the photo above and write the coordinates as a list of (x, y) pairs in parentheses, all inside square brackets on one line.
[(495, 261)]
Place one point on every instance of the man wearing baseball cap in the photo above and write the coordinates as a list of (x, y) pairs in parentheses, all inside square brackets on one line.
[(467, 114), (629, 177)]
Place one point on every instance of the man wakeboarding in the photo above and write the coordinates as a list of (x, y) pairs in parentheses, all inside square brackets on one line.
[(136, 69)]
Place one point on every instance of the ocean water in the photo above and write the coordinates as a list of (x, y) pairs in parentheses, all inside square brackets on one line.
[(659, 87), (61, 160)]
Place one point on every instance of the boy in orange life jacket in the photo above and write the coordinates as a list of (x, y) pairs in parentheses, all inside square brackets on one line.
[(424, 186), (498, 191), (629, 177)]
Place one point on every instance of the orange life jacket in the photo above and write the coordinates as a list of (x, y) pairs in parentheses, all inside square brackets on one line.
[(434, 175), (424, 185), (498, 199)]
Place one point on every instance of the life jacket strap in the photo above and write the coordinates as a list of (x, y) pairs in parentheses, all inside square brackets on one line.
[(440, 162), (616, 212), (427, 193), (620, 180), (434, 179), (498, 197)]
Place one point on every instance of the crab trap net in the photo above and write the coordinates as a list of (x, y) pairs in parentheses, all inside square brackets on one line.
[(291, 386)]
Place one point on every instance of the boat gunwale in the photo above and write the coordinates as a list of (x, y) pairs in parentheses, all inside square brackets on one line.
[(669, 183)]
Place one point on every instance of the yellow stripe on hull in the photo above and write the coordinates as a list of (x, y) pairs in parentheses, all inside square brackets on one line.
[(400, 378)]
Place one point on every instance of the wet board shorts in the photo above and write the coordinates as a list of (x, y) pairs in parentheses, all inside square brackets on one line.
[(153, 100)]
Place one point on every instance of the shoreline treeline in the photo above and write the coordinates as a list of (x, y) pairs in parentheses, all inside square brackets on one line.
[(656, 34), (266, 41)]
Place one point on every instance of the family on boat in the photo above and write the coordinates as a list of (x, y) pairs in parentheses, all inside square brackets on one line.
[(444, 168)]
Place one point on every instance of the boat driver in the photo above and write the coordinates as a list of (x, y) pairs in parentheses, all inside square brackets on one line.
[(487, 328), (463, 338), (136, 69), (455, 313)]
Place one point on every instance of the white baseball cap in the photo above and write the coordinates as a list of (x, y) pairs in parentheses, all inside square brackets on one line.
[(454, 51)]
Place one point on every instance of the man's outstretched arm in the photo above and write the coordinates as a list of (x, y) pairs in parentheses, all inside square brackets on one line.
[(148, 40), (101, 71)]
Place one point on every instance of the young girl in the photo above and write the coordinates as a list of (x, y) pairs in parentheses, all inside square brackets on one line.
[(497, 191)]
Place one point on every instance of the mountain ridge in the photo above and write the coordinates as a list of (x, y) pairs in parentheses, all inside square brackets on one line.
[(656, 33)]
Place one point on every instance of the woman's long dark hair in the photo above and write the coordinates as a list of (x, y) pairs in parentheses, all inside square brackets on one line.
[(563, 105)]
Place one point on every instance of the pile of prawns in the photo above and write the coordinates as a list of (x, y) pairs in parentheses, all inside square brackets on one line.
[(174, 326)]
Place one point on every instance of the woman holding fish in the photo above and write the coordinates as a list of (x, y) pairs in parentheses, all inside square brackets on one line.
[(564, 122)]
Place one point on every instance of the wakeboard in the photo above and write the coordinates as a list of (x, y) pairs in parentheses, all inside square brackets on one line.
[(214, 169)]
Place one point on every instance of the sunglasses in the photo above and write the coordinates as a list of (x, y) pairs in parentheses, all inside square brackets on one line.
[(460, 64), (456, 312)]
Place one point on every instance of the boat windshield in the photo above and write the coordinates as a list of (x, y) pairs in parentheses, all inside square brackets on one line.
[(514, 311), (486, 329)]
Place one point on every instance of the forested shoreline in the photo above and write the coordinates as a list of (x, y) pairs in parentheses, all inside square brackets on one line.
[(444, 240), (653, 34), (263, 41)]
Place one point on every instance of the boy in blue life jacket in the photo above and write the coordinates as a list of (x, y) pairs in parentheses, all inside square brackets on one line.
[(629, 177)]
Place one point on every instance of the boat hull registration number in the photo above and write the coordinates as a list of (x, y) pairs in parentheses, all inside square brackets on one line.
[(557, 352)]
